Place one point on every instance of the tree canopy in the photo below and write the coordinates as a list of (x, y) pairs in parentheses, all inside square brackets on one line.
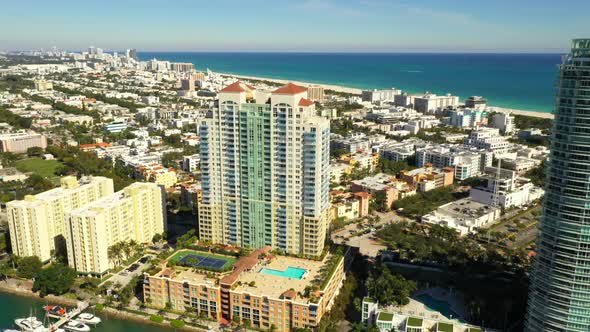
[(27, 267), (389, 288), (56, 279)]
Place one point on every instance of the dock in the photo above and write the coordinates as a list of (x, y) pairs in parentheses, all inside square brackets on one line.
[(69, 316)]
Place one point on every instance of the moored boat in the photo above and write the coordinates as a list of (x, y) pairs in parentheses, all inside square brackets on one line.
[(88, 318), (76, 326), (55, 310), (29, 324)]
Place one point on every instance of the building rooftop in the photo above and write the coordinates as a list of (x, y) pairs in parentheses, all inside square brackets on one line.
[(247, 275), (414, 322), (290, 89), (464, 207), (237, 87), (385, 316)]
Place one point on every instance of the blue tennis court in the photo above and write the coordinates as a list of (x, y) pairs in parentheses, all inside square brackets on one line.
[(203, 260)]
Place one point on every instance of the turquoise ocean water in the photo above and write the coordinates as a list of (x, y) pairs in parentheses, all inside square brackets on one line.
[(12, 307), (520, 81)]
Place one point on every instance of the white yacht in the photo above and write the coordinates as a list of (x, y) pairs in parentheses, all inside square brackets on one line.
[(30, 324), (88, 318), (76, 326)]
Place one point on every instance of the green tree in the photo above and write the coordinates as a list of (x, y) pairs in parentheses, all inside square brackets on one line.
[(34, 151), (389, 288), (187, 239), (28, 267), (56, 279)]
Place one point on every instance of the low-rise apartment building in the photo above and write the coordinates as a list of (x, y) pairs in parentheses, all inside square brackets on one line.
[(464, 215), (428, 178), (157, 174), (269, 292), (509, 189), (466, 160), (383, 183)]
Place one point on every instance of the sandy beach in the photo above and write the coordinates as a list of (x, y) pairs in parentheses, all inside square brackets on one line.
[(339, 88)]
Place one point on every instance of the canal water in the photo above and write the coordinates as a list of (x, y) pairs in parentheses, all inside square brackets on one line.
[(12, 307)]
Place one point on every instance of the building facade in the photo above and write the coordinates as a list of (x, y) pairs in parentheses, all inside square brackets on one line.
[(21, 141), (136, 213), (37, 224), (265, 170), (558, 295)]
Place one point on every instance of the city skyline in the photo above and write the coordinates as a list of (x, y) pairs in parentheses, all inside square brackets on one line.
[(308, 26)]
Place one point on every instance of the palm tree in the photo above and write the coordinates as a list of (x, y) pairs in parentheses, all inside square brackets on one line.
[(134, 246), (127, 249), (113, 254)]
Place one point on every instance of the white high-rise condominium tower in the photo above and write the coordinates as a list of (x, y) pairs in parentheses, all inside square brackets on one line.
[(265, 170)]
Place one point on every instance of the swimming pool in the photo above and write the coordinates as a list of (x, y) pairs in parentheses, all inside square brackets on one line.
[(443, 307), (290, 272)]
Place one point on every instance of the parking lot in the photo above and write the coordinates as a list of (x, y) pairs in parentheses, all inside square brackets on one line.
[(132, 270)]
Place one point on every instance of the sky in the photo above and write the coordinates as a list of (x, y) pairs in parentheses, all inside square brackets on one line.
[(296, 25)]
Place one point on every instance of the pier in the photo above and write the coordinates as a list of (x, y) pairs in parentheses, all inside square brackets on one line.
[(68, 316)]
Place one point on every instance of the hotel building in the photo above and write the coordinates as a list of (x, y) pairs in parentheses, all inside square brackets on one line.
[(265, 170), (260, 290), (135, 213), (37, 223), (559, 295)]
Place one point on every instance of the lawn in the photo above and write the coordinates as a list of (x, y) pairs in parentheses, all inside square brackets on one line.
[(178, 256), (45, 168)]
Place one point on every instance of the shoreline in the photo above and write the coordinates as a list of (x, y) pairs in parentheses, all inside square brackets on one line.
[(344, 89), (109, 312)]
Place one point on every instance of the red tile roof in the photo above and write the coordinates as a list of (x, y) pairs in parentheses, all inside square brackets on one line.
[(306, 102), (243, 264), (238, 87), (290, 89), (94, 145)]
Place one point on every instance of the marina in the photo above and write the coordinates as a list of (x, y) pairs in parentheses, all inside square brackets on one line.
[(15, 307)]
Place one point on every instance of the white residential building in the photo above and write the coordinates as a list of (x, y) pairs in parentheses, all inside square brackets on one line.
[(467, 161), (191, 163), (464, 215), (504, 122), (510, 189), (431, 103)]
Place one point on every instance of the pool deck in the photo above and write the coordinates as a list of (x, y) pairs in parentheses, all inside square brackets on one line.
[(274, 286), (418, 309)]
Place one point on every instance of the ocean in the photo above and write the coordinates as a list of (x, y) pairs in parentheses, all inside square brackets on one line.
[(12, 307), (519, 81)]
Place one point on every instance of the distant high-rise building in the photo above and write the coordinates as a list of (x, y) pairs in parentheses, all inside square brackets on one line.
[(187, 84), (182, 67), (265, 170), (92, 50), (476, 102), (559, 297), (133, 54), (316, 93)]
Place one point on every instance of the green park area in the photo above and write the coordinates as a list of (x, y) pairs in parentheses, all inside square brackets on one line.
[(45, 168)]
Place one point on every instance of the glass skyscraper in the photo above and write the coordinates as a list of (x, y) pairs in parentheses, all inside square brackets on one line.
[(265, 170), (559, 297)]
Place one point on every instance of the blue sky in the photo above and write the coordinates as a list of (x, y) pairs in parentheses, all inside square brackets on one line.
[(305, 25)]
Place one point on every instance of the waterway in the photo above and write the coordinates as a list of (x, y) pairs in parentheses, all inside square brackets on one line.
[(12, 307)]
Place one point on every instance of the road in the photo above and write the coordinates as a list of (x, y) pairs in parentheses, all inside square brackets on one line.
[(123, 278)]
